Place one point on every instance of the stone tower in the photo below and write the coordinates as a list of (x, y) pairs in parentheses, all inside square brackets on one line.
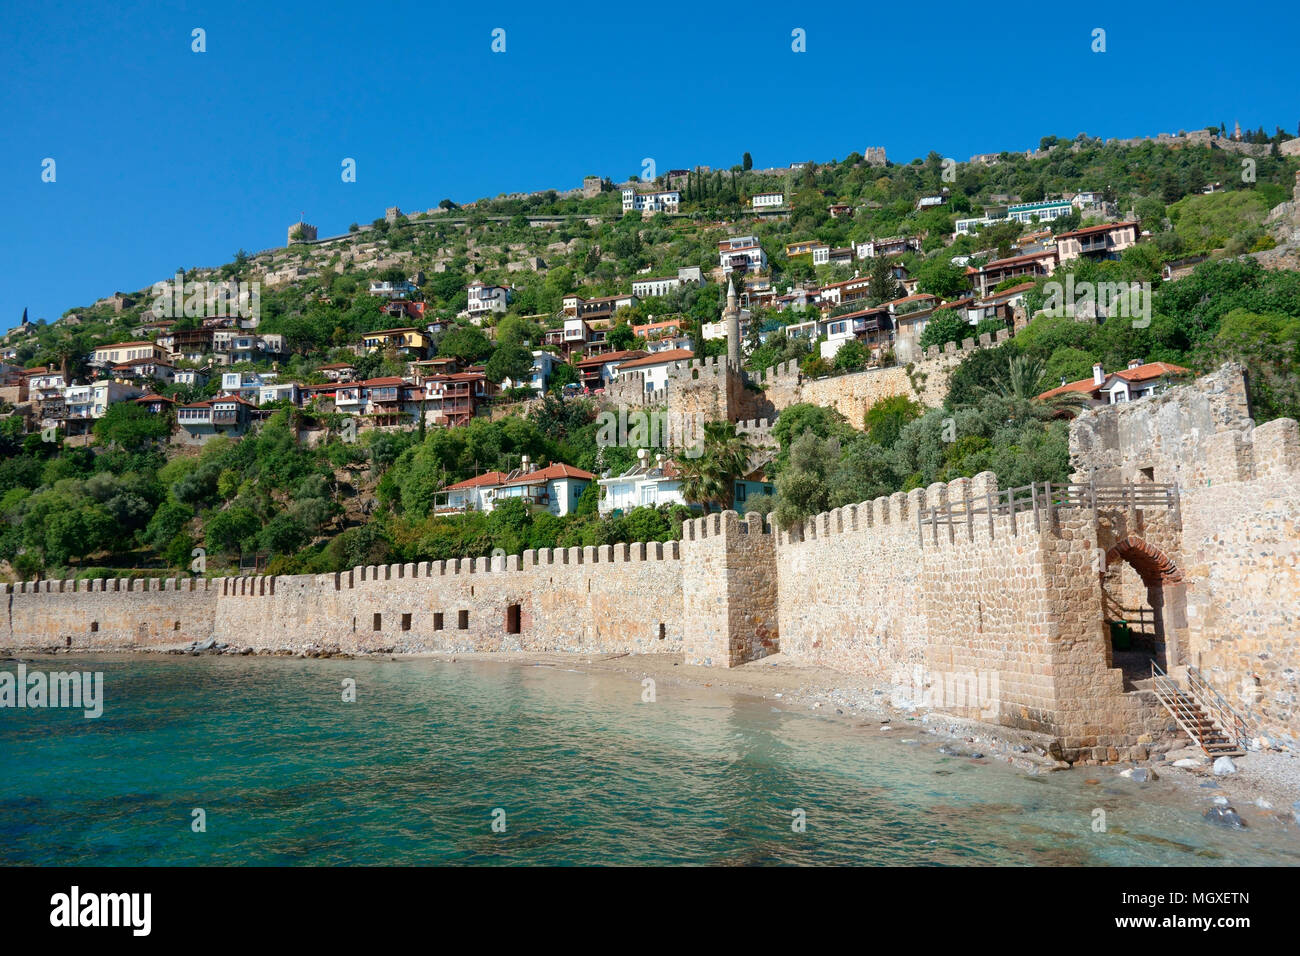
[(731, 322)]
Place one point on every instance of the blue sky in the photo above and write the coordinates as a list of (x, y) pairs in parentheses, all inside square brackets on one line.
[(168, 158)]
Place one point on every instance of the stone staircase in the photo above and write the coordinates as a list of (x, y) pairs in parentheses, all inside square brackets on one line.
[(1201, 712)]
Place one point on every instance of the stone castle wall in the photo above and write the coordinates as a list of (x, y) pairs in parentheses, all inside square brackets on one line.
[(998, 620), (1232, 590), (610, 599), (1241, 556), (925, 381), (711, 388), (920, 590)]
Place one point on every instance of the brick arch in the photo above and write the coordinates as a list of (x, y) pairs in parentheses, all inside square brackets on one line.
[(1152, 564)]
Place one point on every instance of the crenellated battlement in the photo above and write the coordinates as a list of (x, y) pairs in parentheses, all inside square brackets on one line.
[(958, 578), (723, 524)]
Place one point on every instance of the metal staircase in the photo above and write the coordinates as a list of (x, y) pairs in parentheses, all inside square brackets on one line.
[(1202, 713)]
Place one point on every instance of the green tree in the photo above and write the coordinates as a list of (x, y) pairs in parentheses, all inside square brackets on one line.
[(131, 426), (885, 419), (510, 361), (943, 327)]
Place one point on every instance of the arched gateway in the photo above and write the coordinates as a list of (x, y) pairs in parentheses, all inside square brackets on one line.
[(1155, 621)]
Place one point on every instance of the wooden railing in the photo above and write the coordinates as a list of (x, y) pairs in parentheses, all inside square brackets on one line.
[(1044, 499)]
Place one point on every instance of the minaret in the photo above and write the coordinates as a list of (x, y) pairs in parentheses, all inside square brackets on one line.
[(731, 319), (1236, 131)]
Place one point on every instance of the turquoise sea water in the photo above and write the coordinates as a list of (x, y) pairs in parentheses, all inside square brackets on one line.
[(585, 772)]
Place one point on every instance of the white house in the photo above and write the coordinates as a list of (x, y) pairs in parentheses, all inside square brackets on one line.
[(645, 288), (539, 375), (555, 488), (473, 494), (485, 299), (646, 484), (655, 367), (767, 201), (742, 252), (392, 290), (666, 201)]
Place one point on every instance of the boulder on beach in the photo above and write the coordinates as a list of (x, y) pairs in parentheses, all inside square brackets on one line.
[(1224, 766)]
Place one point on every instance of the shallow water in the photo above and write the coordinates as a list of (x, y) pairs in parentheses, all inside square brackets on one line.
[(585, 772)]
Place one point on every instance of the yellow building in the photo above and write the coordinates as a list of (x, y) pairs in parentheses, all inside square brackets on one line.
[(410, 342)]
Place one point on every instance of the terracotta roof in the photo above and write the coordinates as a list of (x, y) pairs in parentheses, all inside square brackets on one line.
[(122, 345), (1085, 385), (393, 331), (220, 398), (1014, 290), (658, 358), (550, 473), (155, 398), (387, 380), (1030, 256), (610, 357), (1150, 370), (1141, 373), (1104, 227), (479, 481)]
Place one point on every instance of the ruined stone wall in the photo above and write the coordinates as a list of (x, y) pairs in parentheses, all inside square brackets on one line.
[(998, 620), (925, 381), (707, 387), (1167, 434)]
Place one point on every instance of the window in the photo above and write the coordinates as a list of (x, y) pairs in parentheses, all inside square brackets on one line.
[(662, 630), (512, 619), (740, 491), (437, 620), (406, 622), (462, 619), (378, 623), (94, 627)]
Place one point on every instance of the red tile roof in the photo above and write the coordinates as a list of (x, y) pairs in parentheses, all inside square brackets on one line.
[(658, 358), (551, 473), (1151, 370), (479, 481), (610, 357), (1142, 373), (1084, 385), (1092, 230)]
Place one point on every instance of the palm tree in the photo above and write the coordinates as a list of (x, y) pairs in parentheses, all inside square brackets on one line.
[(710, 478), (1018, 392)]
